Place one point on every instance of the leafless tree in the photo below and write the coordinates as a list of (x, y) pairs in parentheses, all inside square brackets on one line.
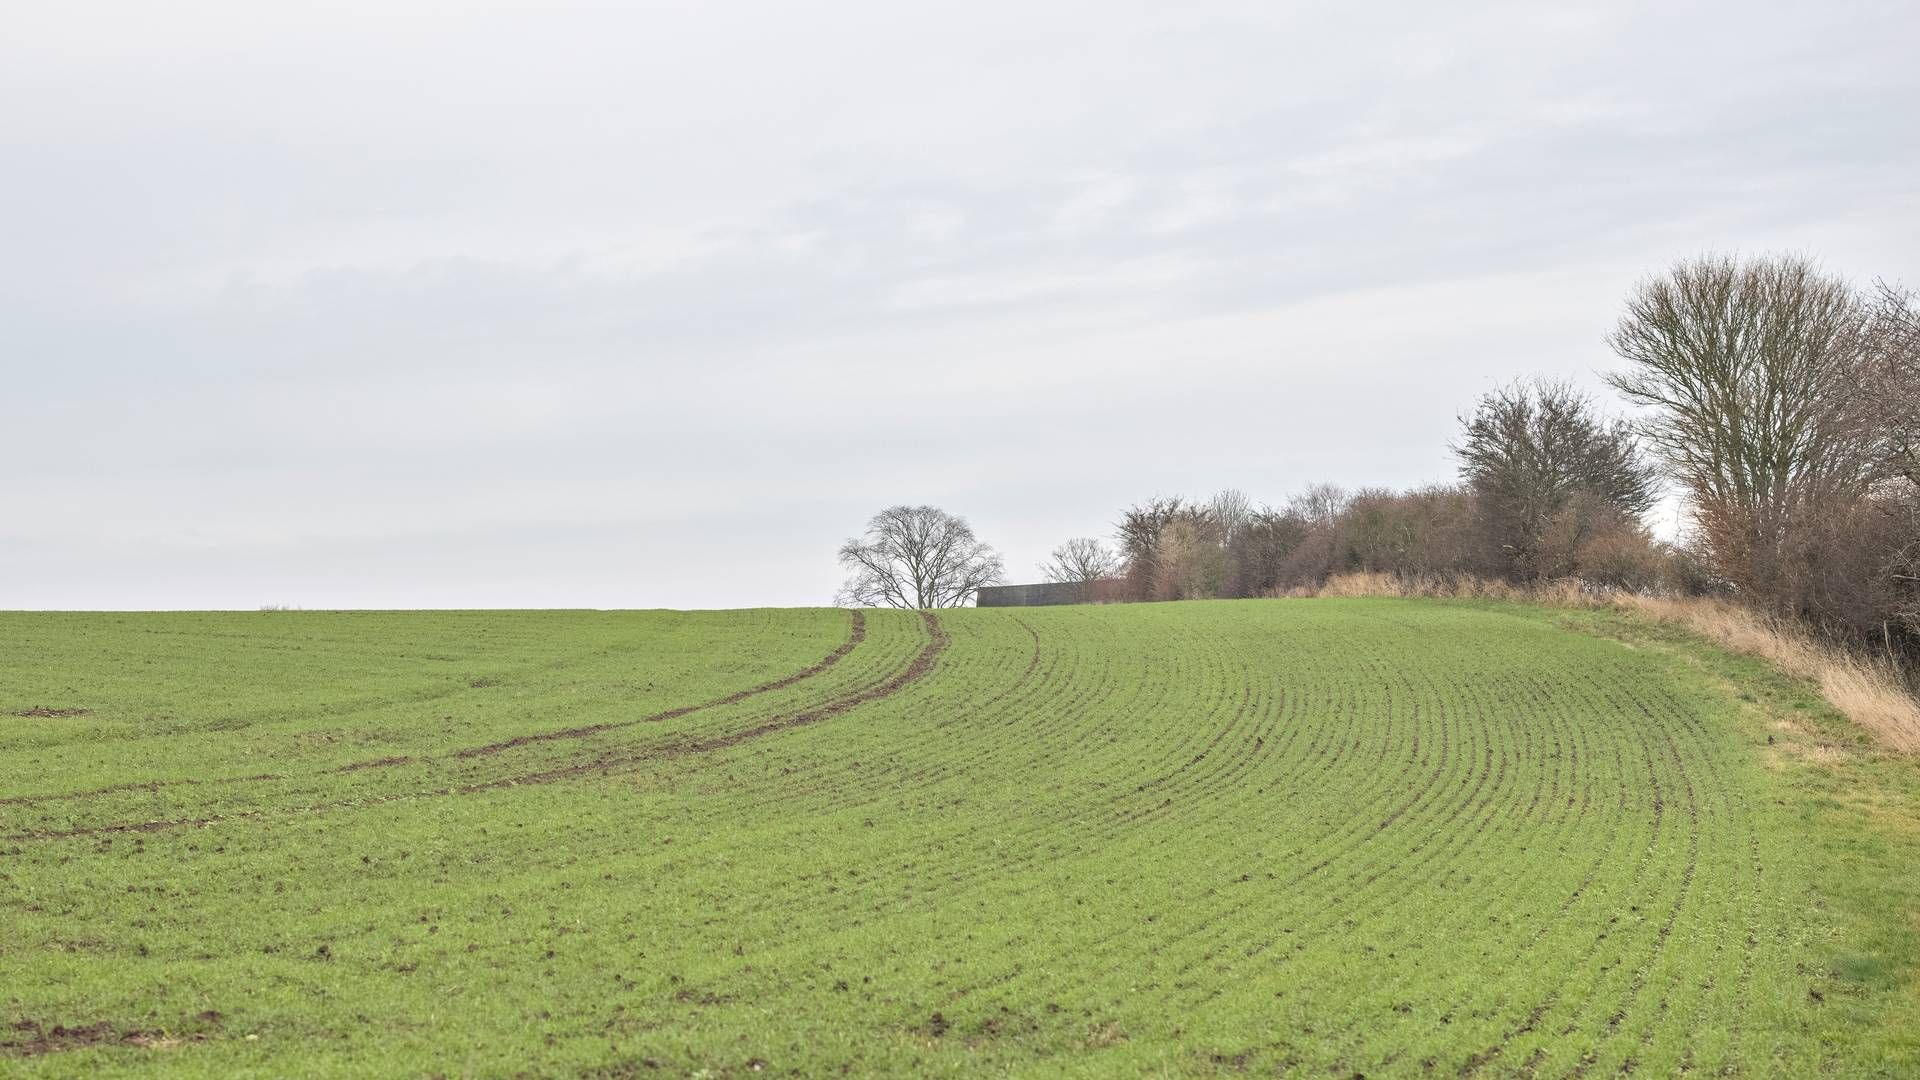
[(917, 557), (1903, 567), (1189, 561), (1320, 505), (1426, 532), (1316, 524), (1138, 532), (1259, 551), (1082, 559), (1147, 537), (1139, 526), (1743, 367), (1885, 384), (1231, 510), (1884, 380), (1533, 450)]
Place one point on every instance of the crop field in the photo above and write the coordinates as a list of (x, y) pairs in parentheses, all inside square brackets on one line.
[(1312, 837)]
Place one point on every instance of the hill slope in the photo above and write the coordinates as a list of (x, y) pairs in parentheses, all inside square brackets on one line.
[(1365, 836)]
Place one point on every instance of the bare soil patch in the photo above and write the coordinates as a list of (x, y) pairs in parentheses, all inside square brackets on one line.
[(31, 1038)]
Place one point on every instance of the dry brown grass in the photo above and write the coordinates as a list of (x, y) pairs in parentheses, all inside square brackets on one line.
[(1866, 692)]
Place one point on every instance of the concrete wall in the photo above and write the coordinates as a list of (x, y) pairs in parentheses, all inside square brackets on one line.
[(1073, 592)]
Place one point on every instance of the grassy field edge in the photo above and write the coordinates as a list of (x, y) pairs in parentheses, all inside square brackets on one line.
[(1855, 802)]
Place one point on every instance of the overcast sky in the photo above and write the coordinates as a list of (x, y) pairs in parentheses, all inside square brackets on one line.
[(395, 304)]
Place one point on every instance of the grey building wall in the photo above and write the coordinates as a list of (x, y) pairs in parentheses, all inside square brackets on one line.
[(1071, 592)]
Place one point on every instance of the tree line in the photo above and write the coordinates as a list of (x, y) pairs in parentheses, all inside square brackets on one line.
[(1779, 401)]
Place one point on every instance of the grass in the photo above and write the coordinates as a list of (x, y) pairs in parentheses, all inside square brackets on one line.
[(1867, 690), (1322, 837)]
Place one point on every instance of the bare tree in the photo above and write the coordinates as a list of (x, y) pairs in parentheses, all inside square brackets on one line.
[(1420, 533), (1884, 380), (1155, 531), (917, 557), (1082, 559), (1743, 368), (1138, 531), (1189, 561), (1318, 514), (1258, 551), (1320, 505), (1231, 510), (1885, 406), (1904, 567), (1533, 450)]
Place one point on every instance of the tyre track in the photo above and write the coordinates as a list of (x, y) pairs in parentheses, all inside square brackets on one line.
[(916, 669), (856, 634)]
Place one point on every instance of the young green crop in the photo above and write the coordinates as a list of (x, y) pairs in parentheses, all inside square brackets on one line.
[(1318, 837)]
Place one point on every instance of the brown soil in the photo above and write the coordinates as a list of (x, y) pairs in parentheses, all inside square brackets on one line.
[(42, 711), (29, 1038), (378, 763), (147, 785), (23, 800), (117, 827)]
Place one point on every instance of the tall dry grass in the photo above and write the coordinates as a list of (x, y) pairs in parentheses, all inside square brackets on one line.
[(1868, 692)]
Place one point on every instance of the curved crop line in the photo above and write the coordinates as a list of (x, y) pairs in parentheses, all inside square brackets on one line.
[(856, 633), (917, 669), (1247, 816)]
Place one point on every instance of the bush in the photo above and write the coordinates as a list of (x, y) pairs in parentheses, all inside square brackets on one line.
[(1625, 560), (1189, 563)]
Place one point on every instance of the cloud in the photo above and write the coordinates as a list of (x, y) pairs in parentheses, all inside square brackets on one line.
[(535, 304)]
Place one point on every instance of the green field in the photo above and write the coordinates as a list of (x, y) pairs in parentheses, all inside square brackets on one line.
[(1325, 837)]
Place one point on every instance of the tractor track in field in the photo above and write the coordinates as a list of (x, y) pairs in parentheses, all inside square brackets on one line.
[(916, 669), (1535, 848), (856, 633), (148, 786)]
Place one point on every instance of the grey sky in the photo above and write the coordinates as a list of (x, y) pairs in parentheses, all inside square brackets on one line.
[(635, 305)]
